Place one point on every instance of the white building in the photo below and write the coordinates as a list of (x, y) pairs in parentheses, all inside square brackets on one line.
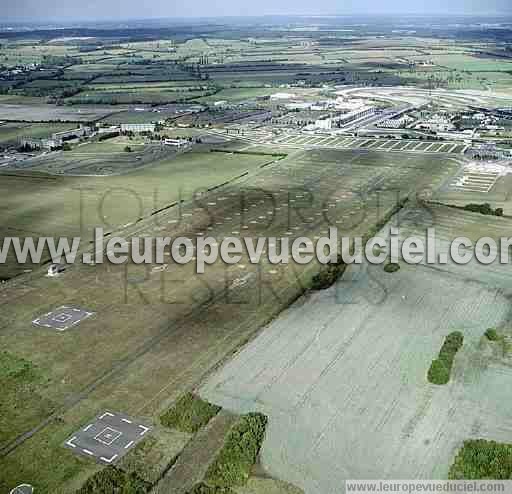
[(176, 142), (46, 144), (138, 128), (437, 123), (396, 123), (465, 135), (282, 96), (81, 131), (328, 123)]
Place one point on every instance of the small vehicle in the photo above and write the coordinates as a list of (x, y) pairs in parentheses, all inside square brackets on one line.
[(56, 269)]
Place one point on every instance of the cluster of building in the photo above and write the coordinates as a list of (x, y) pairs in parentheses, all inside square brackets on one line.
[(18, 69), (436, 123), (57, 139)]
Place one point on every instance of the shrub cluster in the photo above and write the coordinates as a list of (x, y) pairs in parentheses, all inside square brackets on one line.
[(440, 369), (492, 335), (206, 489), (111, 480), (481, 459), (233, 465), (484, 209), (189, 414), (391, 267), (328, 275)]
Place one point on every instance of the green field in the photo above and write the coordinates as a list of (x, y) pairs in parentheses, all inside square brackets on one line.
[(33, 204)]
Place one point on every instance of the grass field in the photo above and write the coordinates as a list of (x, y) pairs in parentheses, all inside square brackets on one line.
[(33, 203), (165, 331)]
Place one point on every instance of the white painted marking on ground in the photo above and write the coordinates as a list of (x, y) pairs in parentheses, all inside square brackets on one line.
[(70, 442), (108, 460)]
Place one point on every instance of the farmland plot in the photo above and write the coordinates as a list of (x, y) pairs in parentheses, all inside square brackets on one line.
[(342, 376)]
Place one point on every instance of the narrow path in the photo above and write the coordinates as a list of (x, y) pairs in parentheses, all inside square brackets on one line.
[(197, 456)]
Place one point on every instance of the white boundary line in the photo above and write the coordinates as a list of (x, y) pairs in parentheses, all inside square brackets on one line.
[(70, 442), (109, 460), (144, 430)]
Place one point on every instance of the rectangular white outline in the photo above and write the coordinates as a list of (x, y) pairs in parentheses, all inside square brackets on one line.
[(119, 434), (52, 314)]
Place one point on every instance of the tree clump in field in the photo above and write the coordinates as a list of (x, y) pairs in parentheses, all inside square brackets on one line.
[(233, 465), (481, 459), (328, 275), (484, 209), (492, 335), (391, 267), (189, 414), (128, 149), (440, 369), (111, 480)]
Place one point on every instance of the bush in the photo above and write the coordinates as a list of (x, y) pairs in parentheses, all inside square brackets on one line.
[(233, 465), (484, 209), (128, 149), (66, 146), (391, 267), (438, 373), (110, 480), (206, 489), (189, 414), (440, 369), (481, 459), (328, 275), (492, 335)]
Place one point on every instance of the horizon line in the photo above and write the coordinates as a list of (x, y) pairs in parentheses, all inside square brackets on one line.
[(253, 16)]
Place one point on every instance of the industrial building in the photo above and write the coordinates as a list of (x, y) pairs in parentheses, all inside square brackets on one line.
[(67, 135), (179, 143), (396, 123), (39, 144), (328, 123), (138, 128)]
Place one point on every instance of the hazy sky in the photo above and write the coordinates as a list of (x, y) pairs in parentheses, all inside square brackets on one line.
[(72, 9)]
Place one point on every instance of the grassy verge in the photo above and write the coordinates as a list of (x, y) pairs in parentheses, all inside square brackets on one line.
[(440, 369), (20, 403), (232, 467), (189, 414), (481, 459)]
